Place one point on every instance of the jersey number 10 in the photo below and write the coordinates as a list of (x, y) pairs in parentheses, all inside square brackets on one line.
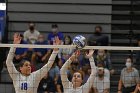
[(24, 86)]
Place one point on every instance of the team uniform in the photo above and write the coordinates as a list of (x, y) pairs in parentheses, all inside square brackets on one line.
[(27, 84), (68, 86)]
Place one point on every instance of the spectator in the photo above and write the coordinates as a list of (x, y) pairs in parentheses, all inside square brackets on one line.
[(46, 85), (129, 79), (55, 33), (21, 53), (83, 59), (40, 55), (101, 83), (73, 68), (98, 38), (87, 73), (65, 52), (31, 35), (104, 58), (54, 72), (106, 71), (59, 85)]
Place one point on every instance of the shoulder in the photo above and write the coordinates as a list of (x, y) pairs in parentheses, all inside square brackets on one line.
[(37, 32), (135, 70), (106, 79), (60, 33), (124, 69), (26, 32), (106, 70), (50, 34)]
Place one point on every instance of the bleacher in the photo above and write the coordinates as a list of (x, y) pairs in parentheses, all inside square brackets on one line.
[(125, 30)]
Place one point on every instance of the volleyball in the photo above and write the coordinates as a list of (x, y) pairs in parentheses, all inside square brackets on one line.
[(79, 41)]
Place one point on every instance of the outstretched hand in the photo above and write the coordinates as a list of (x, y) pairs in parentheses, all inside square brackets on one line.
[(90, 54), (56, 41), (17, 38), (75, 55)]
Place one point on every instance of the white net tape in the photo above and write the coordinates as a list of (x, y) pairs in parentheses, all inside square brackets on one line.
[(69, 46)]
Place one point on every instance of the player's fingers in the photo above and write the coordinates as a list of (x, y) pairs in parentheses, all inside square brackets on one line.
[(77, 53), (55, 40), (15, 35)]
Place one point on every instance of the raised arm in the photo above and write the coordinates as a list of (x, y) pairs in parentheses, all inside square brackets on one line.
[(39, 74), (9, 61), (90, 80), (63, 73)]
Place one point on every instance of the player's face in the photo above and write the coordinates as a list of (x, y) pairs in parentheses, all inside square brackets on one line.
[(26, 68), (77, 79)]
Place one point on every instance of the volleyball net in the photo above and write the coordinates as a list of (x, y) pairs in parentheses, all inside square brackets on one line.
[(69, 46), (111, 60)]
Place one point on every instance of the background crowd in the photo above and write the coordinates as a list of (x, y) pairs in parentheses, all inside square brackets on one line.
[(129, 77)]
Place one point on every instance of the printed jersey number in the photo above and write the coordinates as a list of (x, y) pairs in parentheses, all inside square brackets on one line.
[(24, 86)]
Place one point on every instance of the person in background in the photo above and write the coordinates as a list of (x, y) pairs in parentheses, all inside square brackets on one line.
[(40, 55), (104, 58), (20, 53), (74, 67), (106, 71), (64, 53), (31, 35), (55, 33), (97, 38), (87, 73), (46, 85), (54, 72), (59, 85), (129, 79), (101, 83)]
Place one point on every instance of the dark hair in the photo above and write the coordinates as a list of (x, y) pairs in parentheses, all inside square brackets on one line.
[(130, 57), (98, 27), (68, 36), (22, 62), (21, 35), (56, 61), (54, 26)]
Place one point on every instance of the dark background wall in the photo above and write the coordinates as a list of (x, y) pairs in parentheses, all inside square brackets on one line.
[(71, 15)]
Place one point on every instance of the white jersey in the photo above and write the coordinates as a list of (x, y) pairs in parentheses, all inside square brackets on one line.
[(101, 85), (68, 86), (32, 37), (27, 84)]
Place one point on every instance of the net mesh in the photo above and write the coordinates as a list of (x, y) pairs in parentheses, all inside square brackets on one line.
[(112, 65)]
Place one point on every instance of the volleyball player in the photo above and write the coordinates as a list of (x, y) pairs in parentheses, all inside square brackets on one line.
[(24, 81), (76, 85)]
